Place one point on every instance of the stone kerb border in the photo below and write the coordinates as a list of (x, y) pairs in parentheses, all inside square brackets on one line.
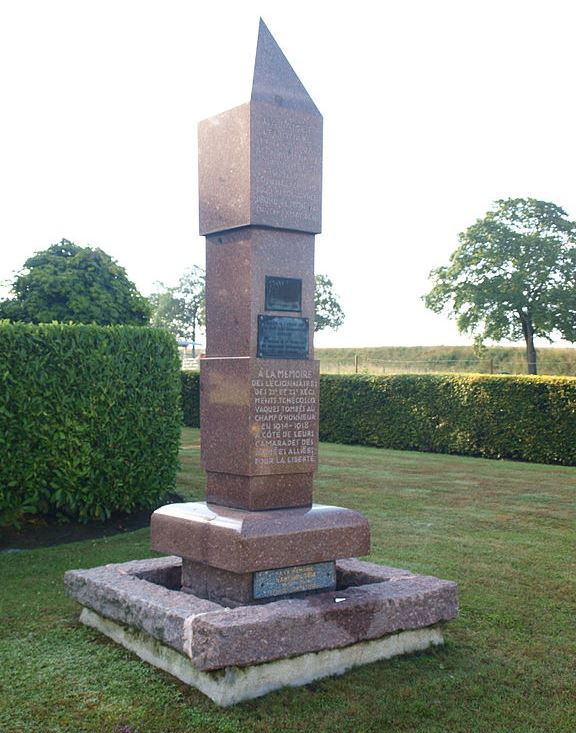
[(234, 684), (371, 602)]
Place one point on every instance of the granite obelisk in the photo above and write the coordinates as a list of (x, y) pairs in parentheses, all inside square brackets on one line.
[(261, 588), (260, 187), (260, 183)]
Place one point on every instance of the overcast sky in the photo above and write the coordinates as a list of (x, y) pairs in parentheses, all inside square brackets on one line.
[(432, 110)]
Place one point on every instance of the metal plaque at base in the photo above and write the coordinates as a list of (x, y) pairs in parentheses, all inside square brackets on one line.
[(295, 579)]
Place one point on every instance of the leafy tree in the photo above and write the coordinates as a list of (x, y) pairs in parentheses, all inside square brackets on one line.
[(329, 313), (181, 310), (513, 276), (70, 283)]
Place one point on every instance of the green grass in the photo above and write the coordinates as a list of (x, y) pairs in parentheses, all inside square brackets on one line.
[(457, 359), (504, 531)]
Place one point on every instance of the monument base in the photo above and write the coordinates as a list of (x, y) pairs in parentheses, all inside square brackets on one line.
[(242, 541), (242, 589), (231, 685), (232, 654)]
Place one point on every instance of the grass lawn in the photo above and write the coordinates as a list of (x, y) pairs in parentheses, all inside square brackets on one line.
[(504, 531)]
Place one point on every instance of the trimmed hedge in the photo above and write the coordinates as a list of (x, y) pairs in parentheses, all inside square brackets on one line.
[(523, 418), (89, 419), (191, 398)]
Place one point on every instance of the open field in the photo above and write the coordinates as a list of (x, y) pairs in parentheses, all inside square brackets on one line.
[(427, 359), (503, 530)]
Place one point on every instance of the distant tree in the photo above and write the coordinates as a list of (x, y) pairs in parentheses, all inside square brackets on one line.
[(181, 310), (329, 313), (70, 283), (513, 276)]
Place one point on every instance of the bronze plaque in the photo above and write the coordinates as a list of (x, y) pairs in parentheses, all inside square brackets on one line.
[(282, 337), (283, 581), (283, 294)]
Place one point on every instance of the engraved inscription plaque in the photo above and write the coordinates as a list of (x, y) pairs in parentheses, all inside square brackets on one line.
[(285, 417), (282, 337), (283, 294), (282, 581)]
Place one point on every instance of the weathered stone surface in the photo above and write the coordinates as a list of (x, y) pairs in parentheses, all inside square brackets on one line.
[(353, 572), (162, 571), (220, 586), (249, 635), (242, 541), (116, 591), (214, 637), (233, 684)]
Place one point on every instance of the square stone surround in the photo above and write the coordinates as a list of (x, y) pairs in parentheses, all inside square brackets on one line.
[(234, 654)]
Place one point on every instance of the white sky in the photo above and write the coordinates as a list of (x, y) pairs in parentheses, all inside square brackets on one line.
[(432, 110)]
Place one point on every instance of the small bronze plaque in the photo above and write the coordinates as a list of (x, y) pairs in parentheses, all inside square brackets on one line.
[(295, 579), (282, 337), (283, 294)]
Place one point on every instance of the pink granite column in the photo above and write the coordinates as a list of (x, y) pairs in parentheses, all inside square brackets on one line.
[(260, 197), (259, 536)]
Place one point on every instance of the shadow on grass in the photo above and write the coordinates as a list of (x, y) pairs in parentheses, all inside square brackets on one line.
[(36, 531)]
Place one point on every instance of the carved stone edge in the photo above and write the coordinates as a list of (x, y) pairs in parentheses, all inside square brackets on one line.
[(232, 685), (376, 602)]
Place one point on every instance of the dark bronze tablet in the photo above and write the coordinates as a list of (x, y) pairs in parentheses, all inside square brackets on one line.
[(295, 579), (283, 294), (282, 337)]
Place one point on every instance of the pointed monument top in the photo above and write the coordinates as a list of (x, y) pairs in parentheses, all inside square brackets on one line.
[(260, 164), (274, 79)]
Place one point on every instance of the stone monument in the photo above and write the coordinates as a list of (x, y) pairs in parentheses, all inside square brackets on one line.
[(259, 590), (260, 178)]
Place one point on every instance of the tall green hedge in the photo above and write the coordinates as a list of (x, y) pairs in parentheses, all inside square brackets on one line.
[(191, 398), (524, 418), (89, 419)]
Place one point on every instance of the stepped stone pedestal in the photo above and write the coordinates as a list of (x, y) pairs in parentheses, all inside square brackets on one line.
[(237, 557), (261, 588)]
